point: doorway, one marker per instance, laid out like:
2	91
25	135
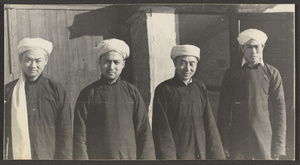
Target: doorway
211	34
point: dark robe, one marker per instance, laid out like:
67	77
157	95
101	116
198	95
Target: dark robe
183	123
111	122
49	119
252	114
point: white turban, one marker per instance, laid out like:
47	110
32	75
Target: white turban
113	44
29	43
254	34
185	50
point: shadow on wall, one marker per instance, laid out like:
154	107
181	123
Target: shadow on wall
106	22
100	22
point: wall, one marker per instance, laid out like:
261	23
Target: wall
211	34
74	33
215	60
154	31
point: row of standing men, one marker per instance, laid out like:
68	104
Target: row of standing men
111	119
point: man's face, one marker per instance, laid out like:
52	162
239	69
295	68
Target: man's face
111	64
185	67
253	51
33	63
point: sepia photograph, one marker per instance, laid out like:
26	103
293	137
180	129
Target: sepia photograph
149	82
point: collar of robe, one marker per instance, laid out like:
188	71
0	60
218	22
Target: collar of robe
107	81
28	81
179	82
246	65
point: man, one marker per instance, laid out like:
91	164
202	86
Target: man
111	119
38	123
252	115
183	123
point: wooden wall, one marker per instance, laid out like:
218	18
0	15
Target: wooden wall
73	62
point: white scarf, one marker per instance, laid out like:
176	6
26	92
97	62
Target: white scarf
19	122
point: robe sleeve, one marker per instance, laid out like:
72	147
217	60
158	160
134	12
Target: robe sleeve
80	116
214	148
224	110
64	127
162	134
277	100
143	134
7	145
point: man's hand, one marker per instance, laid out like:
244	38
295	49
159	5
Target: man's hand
226	152
275	157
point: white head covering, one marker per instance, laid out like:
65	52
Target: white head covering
113	44
185	50
29	43
254	34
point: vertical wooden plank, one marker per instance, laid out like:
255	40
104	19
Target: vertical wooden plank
48	31
82	49
12	32
97	40
7	60
62	41
23	19
7	79
37	23
51	31
54	70
23	30
72	62
92	59
81	55
90	53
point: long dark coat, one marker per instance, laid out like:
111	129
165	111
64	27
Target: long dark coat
252	113
111	122
49	119
183	123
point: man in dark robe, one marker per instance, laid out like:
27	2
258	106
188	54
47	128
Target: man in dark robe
252	114
111	119
183	123
38	123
